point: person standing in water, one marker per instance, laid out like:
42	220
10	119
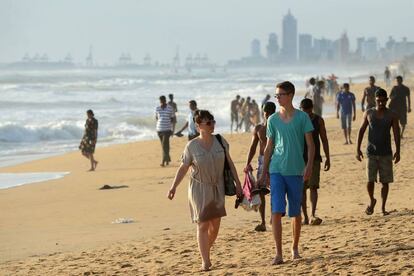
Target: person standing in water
90	137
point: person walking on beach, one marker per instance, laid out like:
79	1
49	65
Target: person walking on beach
174	107
190	124
89	139
283	159
400	102
387	76
379	121
259	138
164	114
205	155
369	95
254	113
245	114
264	101
234	113
345	102
312	184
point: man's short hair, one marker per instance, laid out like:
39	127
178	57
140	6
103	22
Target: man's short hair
346	85
237	96
269	107
312	81
193	102
306	104
286	86
162	98
381	93
372	78
399	78
170	96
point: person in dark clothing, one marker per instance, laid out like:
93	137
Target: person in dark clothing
379	120
319	130
90	136
400	102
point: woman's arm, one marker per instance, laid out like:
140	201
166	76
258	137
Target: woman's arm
181	172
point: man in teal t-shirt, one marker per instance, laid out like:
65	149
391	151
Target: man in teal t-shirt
284	153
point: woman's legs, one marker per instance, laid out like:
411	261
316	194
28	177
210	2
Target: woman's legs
204	244
93	162
207	232
213	230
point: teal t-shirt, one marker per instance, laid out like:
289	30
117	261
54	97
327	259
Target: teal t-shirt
288	140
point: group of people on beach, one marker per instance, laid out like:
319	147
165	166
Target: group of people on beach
289	160
245	113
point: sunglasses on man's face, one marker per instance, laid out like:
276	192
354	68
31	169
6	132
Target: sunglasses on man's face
278	95
208	123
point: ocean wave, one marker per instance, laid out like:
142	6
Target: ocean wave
15	133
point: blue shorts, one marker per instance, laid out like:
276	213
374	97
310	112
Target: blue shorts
280	186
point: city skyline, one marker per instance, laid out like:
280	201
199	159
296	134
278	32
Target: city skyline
140	28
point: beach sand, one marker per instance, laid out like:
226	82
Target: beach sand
64	226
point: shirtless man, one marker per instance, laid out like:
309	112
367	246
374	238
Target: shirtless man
234	113
259	137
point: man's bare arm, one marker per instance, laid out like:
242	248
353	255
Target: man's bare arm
325	143
361	133
253	145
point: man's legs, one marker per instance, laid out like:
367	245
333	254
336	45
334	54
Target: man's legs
166	147
344	128
384	196
402	130
314	200
296	226
262	209
278	204
277	235
294	191
373	201
305	208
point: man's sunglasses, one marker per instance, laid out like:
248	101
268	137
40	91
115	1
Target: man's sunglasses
278	95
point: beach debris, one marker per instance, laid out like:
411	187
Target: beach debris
109	187
166	229
123	220
126	265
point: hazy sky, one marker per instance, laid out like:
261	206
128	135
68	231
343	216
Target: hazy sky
221	28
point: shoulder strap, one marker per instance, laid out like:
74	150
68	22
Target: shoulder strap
218	136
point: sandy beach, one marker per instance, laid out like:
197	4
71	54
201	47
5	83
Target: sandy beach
64	226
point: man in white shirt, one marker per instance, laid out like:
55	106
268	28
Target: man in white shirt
164	114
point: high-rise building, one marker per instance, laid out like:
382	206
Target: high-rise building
255	49
369	49
272	48
290	38
343	48
305	47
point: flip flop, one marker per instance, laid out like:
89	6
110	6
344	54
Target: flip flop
260	228
316	221
370	209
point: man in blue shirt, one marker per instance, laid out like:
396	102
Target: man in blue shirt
190	124
283	160
345	102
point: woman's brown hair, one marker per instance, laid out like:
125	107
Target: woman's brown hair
201	115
